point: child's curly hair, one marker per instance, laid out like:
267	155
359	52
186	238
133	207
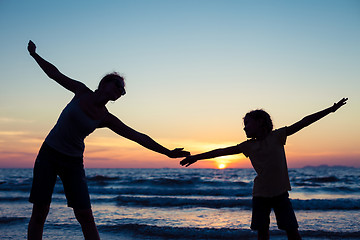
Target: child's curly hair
260	114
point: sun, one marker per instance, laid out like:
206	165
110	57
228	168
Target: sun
221	166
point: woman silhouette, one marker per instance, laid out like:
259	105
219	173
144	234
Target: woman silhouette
61	154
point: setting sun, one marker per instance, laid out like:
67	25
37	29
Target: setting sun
222	166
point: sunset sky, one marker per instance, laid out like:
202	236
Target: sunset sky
193	69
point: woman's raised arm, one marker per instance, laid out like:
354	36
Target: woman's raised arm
53	73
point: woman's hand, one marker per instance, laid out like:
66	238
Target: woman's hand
31	47
178	152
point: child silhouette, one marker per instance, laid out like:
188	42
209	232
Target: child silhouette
265	148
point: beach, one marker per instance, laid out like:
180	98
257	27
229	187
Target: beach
187	204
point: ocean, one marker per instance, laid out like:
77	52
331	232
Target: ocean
187	203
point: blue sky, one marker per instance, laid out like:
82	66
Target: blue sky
192	68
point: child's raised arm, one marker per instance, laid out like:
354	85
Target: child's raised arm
306	121
212	154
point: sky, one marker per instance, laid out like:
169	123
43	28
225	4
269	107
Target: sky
193	69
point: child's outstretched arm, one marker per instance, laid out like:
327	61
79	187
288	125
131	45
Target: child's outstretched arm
212	154
306	121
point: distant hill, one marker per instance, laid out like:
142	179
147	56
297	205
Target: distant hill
327	166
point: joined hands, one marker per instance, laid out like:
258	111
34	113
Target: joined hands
178	152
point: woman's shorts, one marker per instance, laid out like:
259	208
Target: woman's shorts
284	213
48	165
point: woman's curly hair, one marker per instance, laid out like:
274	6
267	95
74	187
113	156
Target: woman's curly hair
114	76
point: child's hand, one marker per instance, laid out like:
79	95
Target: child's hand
188	161
339	104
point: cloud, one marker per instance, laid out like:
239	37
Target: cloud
12	120
13	133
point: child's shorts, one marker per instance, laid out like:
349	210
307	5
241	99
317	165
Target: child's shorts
48	165
284	213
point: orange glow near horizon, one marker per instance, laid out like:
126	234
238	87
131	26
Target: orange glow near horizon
111	151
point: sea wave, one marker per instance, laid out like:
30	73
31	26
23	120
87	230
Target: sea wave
179	232
12	220
164	181
215	202
326	204
225	192
167	232
242	203
157	201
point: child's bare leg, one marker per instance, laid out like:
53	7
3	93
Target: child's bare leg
37	220
87	222
293	234
263	234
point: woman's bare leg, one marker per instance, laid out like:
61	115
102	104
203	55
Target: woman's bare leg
37	220
87	222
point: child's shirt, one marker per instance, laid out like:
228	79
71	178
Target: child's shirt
268	159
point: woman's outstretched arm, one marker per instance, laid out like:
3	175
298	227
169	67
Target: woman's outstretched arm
120	128
53	73
306	121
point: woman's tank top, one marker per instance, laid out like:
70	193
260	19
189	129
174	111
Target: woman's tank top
72	127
